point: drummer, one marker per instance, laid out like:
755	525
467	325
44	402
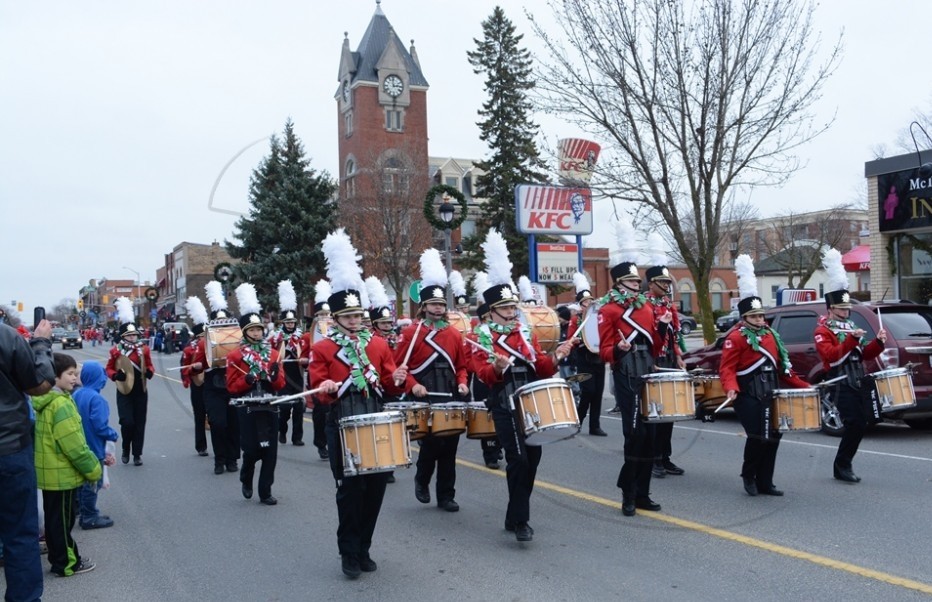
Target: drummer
318	332
670	353
353	370
132	406
221	416
198	314
254	370
380	313
511	358
289	339
840	344
753	361
433	353
587	362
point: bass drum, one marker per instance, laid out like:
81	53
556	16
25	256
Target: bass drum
459	321
590	331
544	322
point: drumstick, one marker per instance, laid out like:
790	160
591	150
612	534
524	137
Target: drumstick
179	368
834	380
580	327
669	369
410	349
511	358
724	403
879	319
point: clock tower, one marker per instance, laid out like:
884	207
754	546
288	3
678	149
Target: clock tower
382	123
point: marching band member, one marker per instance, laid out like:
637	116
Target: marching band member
753	361
132	407
380	313
479	391
222	417
511	358
255	370
458	288
198	314
289	339
659	284
840	344
587	362
353	369
437	372
628	341
318	332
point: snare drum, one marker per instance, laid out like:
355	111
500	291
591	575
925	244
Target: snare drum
549	411
895	389
544	322
796	410
221	340
258	400
417	417
479	422
667	397
709	391
374	443
447	419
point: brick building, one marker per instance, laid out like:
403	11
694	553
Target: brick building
187	269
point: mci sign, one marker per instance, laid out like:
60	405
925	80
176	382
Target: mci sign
553	210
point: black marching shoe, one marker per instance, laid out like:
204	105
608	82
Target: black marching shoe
422	493
298	443
125	458
671	468
202	452
232	466
247	491
367	565
351	567
219	468
628	507
645	503
449	505
657	471
493	464
269	501
510	527
769	490
845	474
137	461
750	486
597	432
524	532
282	438
322	453
391	478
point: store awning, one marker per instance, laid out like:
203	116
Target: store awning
857	259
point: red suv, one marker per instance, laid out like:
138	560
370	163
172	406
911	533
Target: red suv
909	341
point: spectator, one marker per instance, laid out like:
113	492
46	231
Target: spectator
95	418
24	368
63	464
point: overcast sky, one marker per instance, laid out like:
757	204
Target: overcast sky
116	118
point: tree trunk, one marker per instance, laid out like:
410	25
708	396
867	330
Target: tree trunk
705	308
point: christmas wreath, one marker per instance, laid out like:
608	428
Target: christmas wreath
430	210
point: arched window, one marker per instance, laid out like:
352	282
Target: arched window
350	178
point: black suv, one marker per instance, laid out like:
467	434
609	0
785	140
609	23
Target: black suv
909	342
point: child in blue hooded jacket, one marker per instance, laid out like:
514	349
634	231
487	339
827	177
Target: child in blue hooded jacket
95	417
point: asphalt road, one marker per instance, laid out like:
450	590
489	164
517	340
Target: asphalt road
182	533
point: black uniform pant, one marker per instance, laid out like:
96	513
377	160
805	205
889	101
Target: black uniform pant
359	500
439	452
760	449
61	508
590	393
635	474
200	416
132	410
521	462
295	412
319	422
854	418
224	424
259	444
491	449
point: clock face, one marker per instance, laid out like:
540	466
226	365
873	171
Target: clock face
346	92
393	86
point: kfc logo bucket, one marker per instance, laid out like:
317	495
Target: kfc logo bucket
577	159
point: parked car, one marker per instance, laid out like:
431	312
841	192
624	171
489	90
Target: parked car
687	324
909	343
57	333
724	323
71	339
176	334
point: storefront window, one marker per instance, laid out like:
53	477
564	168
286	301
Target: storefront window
915	269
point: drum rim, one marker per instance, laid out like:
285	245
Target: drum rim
541	384
399	406
373	418
796	392
667	377
476	405
890	372
449	405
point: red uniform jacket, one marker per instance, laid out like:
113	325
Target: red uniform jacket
511	344
133	357
631	322
834	352
200	356
739	356
295	347
445	345
187	358
328	362
662	306
237	369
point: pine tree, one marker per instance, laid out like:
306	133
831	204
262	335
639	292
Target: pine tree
291	211
510	133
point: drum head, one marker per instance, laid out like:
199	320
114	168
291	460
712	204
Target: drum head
590	330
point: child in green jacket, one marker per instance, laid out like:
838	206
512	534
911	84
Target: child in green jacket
63	463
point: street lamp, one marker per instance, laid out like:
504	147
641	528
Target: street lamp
447	212
135	289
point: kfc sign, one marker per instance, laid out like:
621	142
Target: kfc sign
577	159
553	209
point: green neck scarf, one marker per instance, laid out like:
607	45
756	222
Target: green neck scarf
624	298
754	337
362	372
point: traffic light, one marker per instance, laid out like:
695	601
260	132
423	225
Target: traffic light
80	304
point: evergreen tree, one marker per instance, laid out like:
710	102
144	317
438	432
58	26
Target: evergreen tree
510	133
291	211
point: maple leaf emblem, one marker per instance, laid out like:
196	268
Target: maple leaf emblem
352	300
